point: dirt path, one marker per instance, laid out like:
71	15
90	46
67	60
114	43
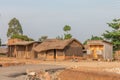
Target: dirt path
89	69
18	72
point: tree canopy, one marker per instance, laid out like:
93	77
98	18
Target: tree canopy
22	37
14	28
96	38
66	29
114	35
67	36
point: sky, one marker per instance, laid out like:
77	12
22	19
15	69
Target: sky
48	17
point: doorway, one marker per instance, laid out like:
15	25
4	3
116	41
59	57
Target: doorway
55	54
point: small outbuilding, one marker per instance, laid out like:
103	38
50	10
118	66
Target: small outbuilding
3	51
54	49
22	49
100	49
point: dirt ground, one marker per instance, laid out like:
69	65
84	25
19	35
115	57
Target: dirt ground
91	70
87	75
82	70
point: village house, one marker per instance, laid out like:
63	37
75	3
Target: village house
100	49
3	51
21	49
54	49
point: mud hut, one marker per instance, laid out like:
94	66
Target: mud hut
100	49
3	51
54	49
22	49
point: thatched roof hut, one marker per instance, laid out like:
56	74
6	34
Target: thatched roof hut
65	48
22	49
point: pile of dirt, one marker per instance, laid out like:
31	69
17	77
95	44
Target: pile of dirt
70	74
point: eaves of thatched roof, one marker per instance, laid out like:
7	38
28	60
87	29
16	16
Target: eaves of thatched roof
23	43
50	44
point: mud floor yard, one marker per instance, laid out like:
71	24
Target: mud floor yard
82	70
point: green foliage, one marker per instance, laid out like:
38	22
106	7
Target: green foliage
14	27
22	37
93	38
42	38
114	35
67	35
67	28
15	30
96	38
115	24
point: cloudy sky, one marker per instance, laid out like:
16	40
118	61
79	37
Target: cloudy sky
48	17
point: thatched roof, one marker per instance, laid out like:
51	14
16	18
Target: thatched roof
3	50
97	42
25	43
50	44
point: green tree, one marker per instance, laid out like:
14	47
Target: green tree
93	38
66	29
96	38
22	37
67	36
14	28
114	35
42	38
